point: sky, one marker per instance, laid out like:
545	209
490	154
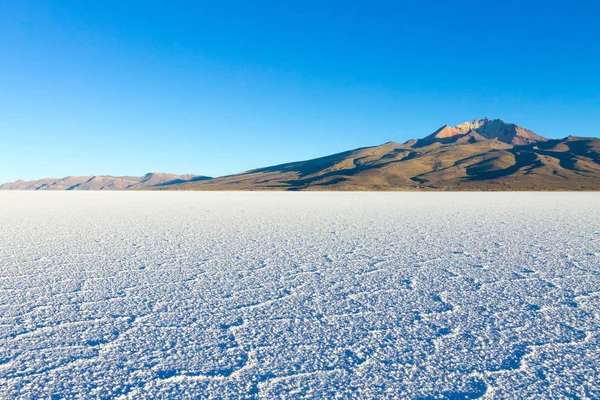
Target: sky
214	88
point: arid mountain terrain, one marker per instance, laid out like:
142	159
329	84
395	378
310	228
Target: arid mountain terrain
480	155
483	154
150	180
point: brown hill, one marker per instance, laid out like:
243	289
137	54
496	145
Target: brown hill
150	180
480	155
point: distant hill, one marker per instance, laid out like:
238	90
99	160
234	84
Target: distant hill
151	180
483	154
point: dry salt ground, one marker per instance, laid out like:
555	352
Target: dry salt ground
299	295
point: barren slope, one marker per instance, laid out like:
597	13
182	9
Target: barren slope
486	164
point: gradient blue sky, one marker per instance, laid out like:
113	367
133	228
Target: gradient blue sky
128	87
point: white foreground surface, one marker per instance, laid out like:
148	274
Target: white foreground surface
292	295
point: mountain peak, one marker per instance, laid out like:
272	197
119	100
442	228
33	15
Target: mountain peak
481	129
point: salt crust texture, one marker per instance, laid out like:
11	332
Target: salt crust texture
299	295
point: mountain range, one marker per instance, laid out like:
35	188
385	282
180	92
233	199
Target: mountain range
100	182
484	154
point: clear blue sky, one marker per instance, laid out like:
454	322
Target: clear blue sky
129	87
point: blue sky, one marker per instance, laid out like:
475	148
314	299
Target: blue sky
128	87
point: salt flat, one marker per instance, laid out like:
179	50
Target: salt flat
299	295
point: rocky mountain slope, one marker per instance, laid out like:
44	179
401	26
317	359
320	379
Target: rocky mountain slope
480	155
150	180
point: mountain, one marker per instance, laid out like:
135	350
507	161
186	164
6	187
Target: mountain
150	180
483	154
